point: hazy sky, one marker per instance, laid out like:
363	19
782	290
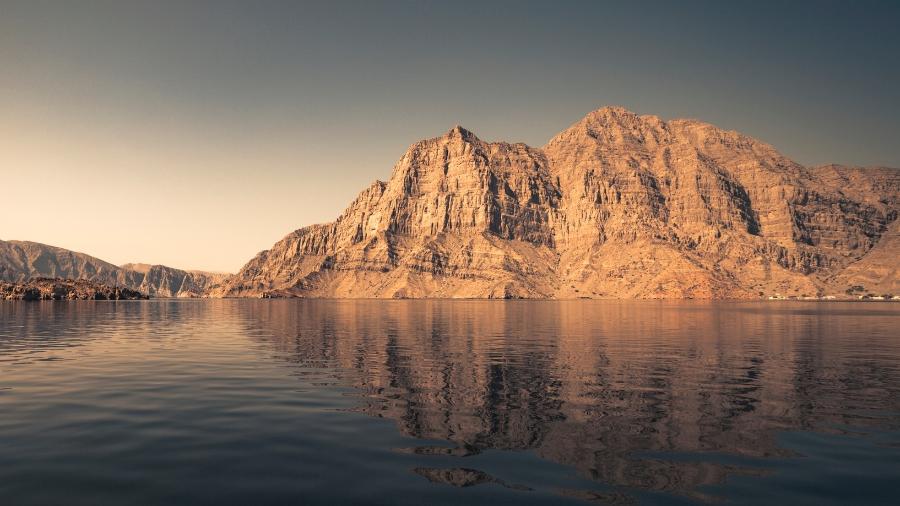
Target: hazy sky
196	134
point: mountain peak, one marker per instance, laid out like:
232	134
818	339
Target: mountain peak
611	122
616	115
611	110
458	132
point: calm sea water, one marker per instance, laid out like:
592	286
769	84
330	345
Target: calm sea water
257	402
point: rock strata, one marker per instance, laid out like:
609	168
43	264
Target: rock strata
618	205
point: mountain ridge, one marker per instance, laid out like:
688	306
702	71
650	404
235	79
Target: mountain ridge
22	261
616	205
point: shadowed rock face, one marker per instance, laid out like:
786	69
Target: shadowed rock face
617	205
21	261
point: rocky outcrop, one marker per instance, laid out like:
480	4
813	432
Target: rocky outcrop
65	289
21	261
617	205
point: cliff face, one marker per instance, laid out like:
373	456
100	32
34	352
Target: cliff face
459	217
876	273
21	261
617	205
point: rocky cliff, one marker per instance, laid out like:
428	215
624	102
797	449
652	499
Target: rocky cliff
617	205
21	261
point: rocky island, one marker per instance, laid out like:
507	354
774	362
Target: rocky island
65	289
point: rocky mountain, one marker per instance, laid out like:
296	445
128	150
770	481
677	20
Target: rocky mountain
163	281
617	205
21	261
24	260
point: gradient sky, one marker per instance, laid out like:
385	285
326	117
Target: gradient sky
196	134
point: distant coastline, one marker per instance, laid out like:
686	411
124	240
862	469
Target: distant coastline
65	289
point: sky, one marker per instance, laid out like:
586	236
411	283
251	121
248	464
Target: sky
196	134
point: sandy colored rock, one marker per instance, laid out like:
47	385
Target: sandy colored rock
617	205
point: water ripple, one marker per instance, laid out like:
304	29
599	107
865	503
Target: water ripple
324	402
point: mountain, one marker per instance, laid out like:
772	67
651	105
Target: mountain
24	260
163	281
21	261
617	205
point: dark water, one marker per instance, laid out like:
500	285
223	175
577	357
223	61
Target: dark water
421	402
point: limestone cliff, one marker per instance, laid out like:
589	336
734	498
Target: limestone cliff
617	205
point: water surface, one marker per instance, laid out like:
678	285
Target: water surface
449	402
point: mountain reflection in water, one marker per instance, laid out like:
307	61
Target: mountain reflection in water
650	401
592	385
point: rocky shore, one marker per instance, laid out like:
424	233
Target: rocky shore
65	289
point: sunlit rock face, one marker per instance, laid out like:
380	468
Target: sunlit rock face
617	205
459	217
24	260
